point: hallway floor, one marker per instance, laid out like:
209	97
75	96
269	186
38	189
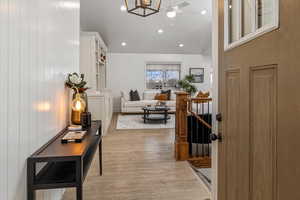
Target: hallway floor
139	165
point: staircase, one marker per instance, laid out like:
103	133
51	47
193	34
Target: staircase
193	129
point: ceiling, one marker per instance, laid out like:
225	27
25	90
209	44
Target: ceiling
190	27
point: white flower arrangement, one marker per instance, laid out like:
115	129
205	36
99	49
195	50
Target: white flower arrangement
75	79
76	82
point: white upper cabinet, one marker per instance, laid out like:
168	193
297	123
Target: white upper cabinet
93	61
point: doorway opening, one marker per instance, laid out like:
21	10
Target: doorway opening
148	62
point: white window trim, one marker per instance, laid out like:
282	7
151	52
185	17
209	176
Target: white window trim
160	63
255	32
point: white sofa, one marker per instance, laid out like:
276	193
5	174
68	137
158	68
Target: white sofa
147	98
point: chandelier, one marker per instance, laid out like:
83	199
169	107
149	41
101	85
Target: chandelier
143	8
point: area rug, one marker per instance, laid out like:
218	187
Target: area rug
205	174
136	122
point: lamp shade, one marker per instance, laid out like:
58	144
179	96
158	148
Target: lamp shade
143	8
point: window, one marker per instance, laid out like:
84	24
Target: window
162	76
265	14
233	20
248	19
247	10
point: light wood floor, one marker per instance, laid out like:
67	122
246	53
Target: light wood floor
139	165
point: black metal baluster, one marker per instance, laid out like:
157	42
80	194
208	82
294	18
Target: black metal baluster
197	128
191	135
208	132
203	131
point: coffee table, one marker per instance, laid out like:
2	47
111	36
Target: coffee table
158	113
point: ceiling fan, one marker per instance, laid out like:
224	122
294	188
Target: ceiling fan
176	7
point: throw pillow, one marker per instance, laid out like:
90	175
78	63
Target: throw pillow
125	95
168	93
161	97
134	95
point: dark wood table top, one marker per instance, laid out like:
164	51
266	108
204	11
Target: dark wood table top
54	148
156	108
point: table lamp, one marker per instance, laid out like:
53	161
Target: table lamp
78	107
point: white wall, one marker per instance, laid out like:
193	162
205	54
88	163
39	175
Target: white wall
39	46
127	71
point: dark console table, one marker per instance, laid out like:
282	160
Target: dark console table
63	165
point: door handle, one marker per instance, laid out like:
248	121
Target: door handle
214	137
219	117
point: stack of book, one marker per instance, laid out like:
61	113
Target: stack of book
73	136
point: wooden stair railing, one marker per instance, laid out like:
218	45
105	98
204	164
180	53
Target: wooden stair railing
181	143
190	110
184	109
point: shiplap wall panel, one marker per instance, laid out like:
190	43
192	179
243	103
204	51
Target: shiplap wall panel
39	45
3	106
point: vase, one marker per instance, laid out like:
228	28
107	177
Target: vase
76	115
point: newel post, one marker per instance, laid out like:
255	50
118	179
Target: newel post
181	144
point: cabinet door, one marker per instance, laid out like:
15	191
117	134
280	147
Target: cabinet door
97	109
88	60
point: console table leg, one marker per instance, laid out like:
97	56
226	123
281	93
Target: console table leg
79	195
31	195
31	171
100	157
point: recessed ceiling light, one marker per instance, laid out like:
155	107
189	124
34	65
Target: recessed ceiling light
123	44
171	14
123	8
160	31
203	12
181	45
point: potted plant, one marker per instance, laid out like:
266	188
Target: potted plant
187	86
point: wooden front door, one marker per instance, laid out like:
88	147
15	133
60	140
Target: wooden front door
259	89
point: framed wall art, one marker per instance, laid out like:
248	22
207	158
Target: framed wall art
198	74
